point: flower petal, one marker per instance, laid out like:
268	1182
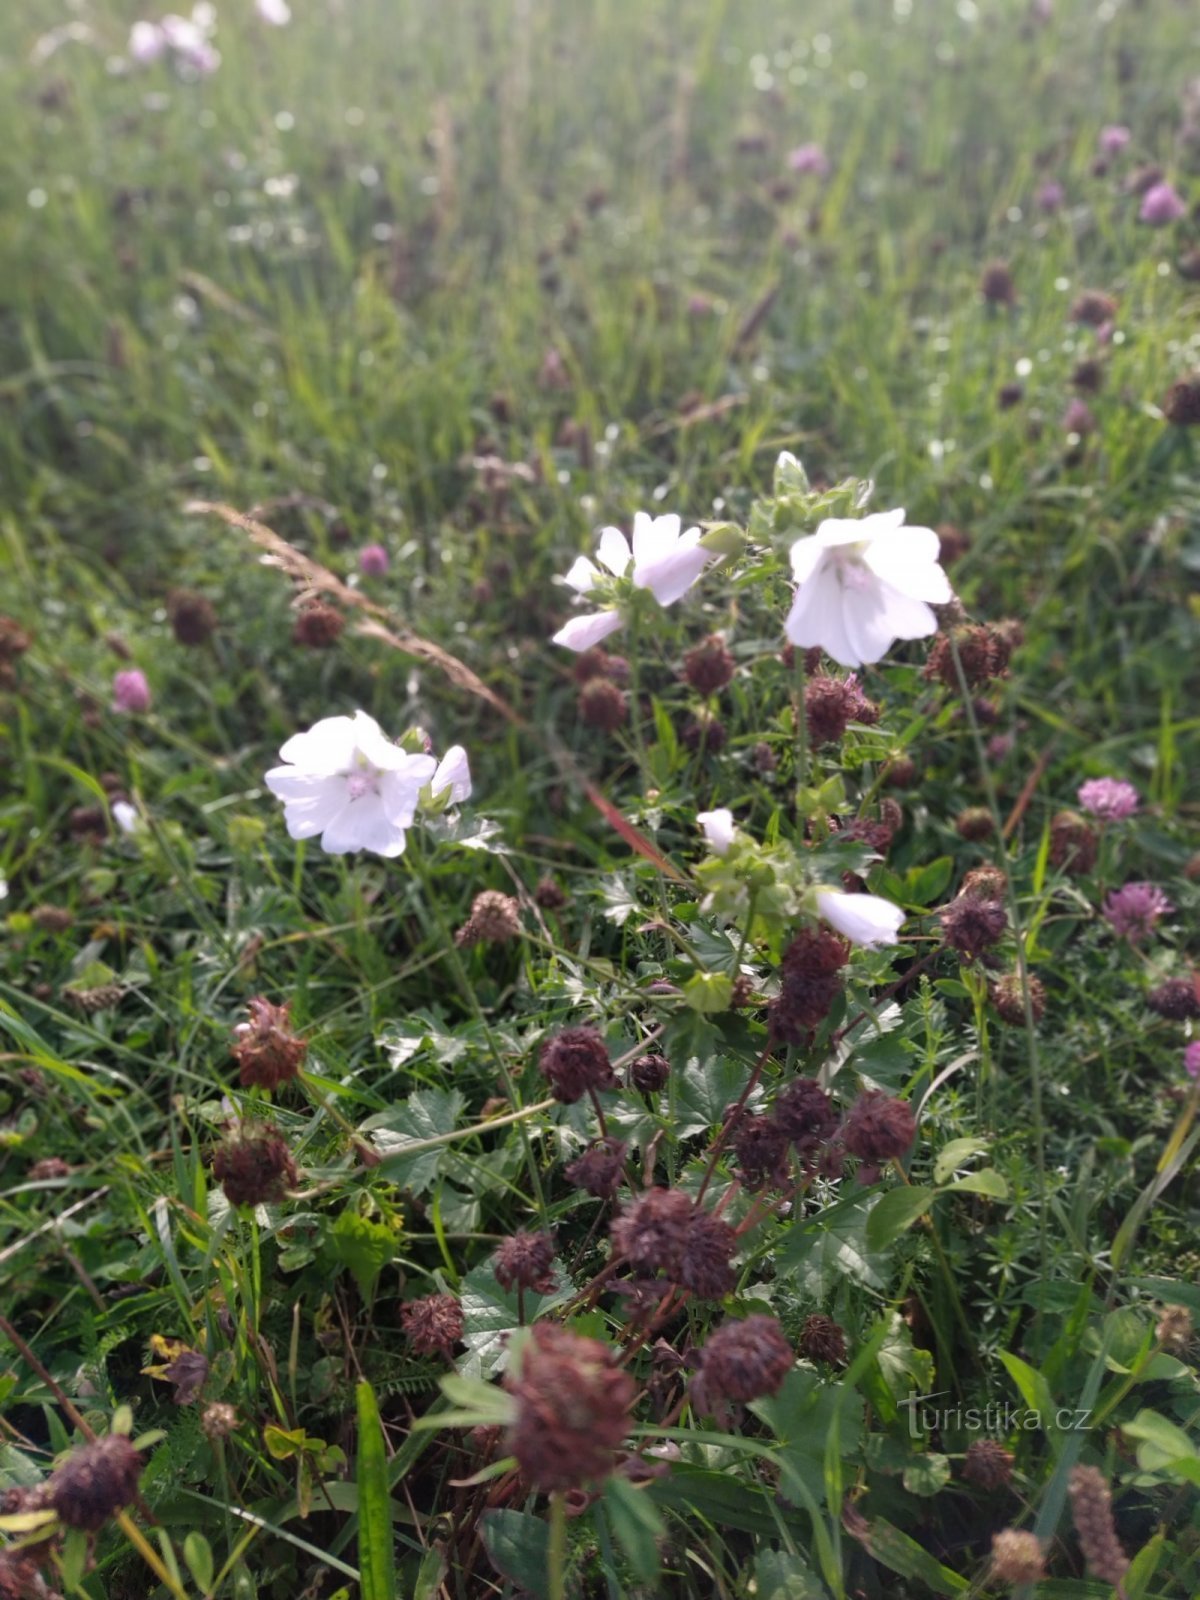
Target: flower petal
581	633
806	556
654	537
908	561
307	812
862	918
816	618
453	773
326	747
362	825
870	621
584	575
718	828
669	577
613	551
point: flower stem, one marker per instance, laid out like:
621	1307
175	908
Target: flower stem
556	1553
800	678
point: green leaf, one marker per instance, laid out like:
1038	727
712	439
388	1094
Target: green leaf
954	1155
927	1474
904	1555
519	1547
284	1443
637	1525
708	992
804	1416
988	1182
427	1114
895	1212
823	1251
924	885
780	1576
714	1497
487	1402
363	1247
490	1317
432	1572
73	1558
376	1556
1163	1444
704	1089
197	1553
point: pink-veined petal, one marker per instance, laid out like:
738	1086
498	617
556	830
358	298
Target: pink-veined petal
581	633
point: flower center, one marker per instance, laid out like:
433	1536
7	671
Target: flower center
852	570
364	780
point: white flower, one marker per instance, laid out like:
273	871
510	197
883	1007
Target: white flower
147	42
277	12
718	828
453	773
345	781
864	582
862	918
126	816
664	559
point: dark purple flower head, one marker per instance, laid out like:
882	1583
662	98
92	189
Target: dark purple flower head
1134	910
1051	195
739	1362
1110	799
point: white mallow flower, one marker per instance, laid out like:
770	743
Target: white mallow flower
147	42
863	583
718	828
862	918
665	558
277	12
453	774
345	781
126	816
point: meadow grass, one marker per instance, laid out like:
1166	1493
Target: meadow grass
470	281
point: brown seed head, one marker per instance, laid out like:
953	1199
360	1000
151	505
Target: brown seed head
523	1261
550	895
266	1050
879	1127
1017	1557
95	1482
1093	307
1177	1000
433	1325
709	666
1181	404
650	1073
575	1061
954	542
996	284
741	1361
1008	999
822	1339
603	705
973	926
1174	1330
984	883
495	918
254	1166
705	732
652	1231
988	1465
572	1403
1091	1511
193	619
804	1113
600	1168
832	704
762	1150
974	824
218	1420
318	626
706	1267
1074	843
51	919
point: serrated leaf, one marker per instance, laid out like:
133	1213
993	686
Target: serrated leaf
823	1251
490	1316
427	1114
704	1089
781	1576
363	1247
708	992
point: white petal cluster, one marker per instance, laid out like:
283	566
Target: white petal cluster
862	918
864	582
344	780
664	558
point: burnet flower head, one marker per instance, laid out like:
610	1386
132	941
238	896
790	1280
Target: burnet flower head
665	558
344	780
862	583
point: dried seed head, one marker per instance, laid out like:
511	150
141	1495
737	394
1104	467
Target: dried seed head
649	1073
809	983
266	1050
804	1113
603	705
709	666
973	926
822	1339
433	1325
523	1261
996	284
51	919
706	1267
954	542
705	732
575	1061
1088	375
1093	308
193	619
1091	1511
741	1361
900	773
832	704
597	663
984	883
95	1482
1074	843
984	649
764	758
495	918
254	1166
1174	1330
318	626
48	1168
988	1465
1009	1001
1181	405
1010	395
600	1168
652	1231
1017	1557
572	1403
974	824
879	1127
218	1420
99	997
1176	1000
762	1150
550	895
